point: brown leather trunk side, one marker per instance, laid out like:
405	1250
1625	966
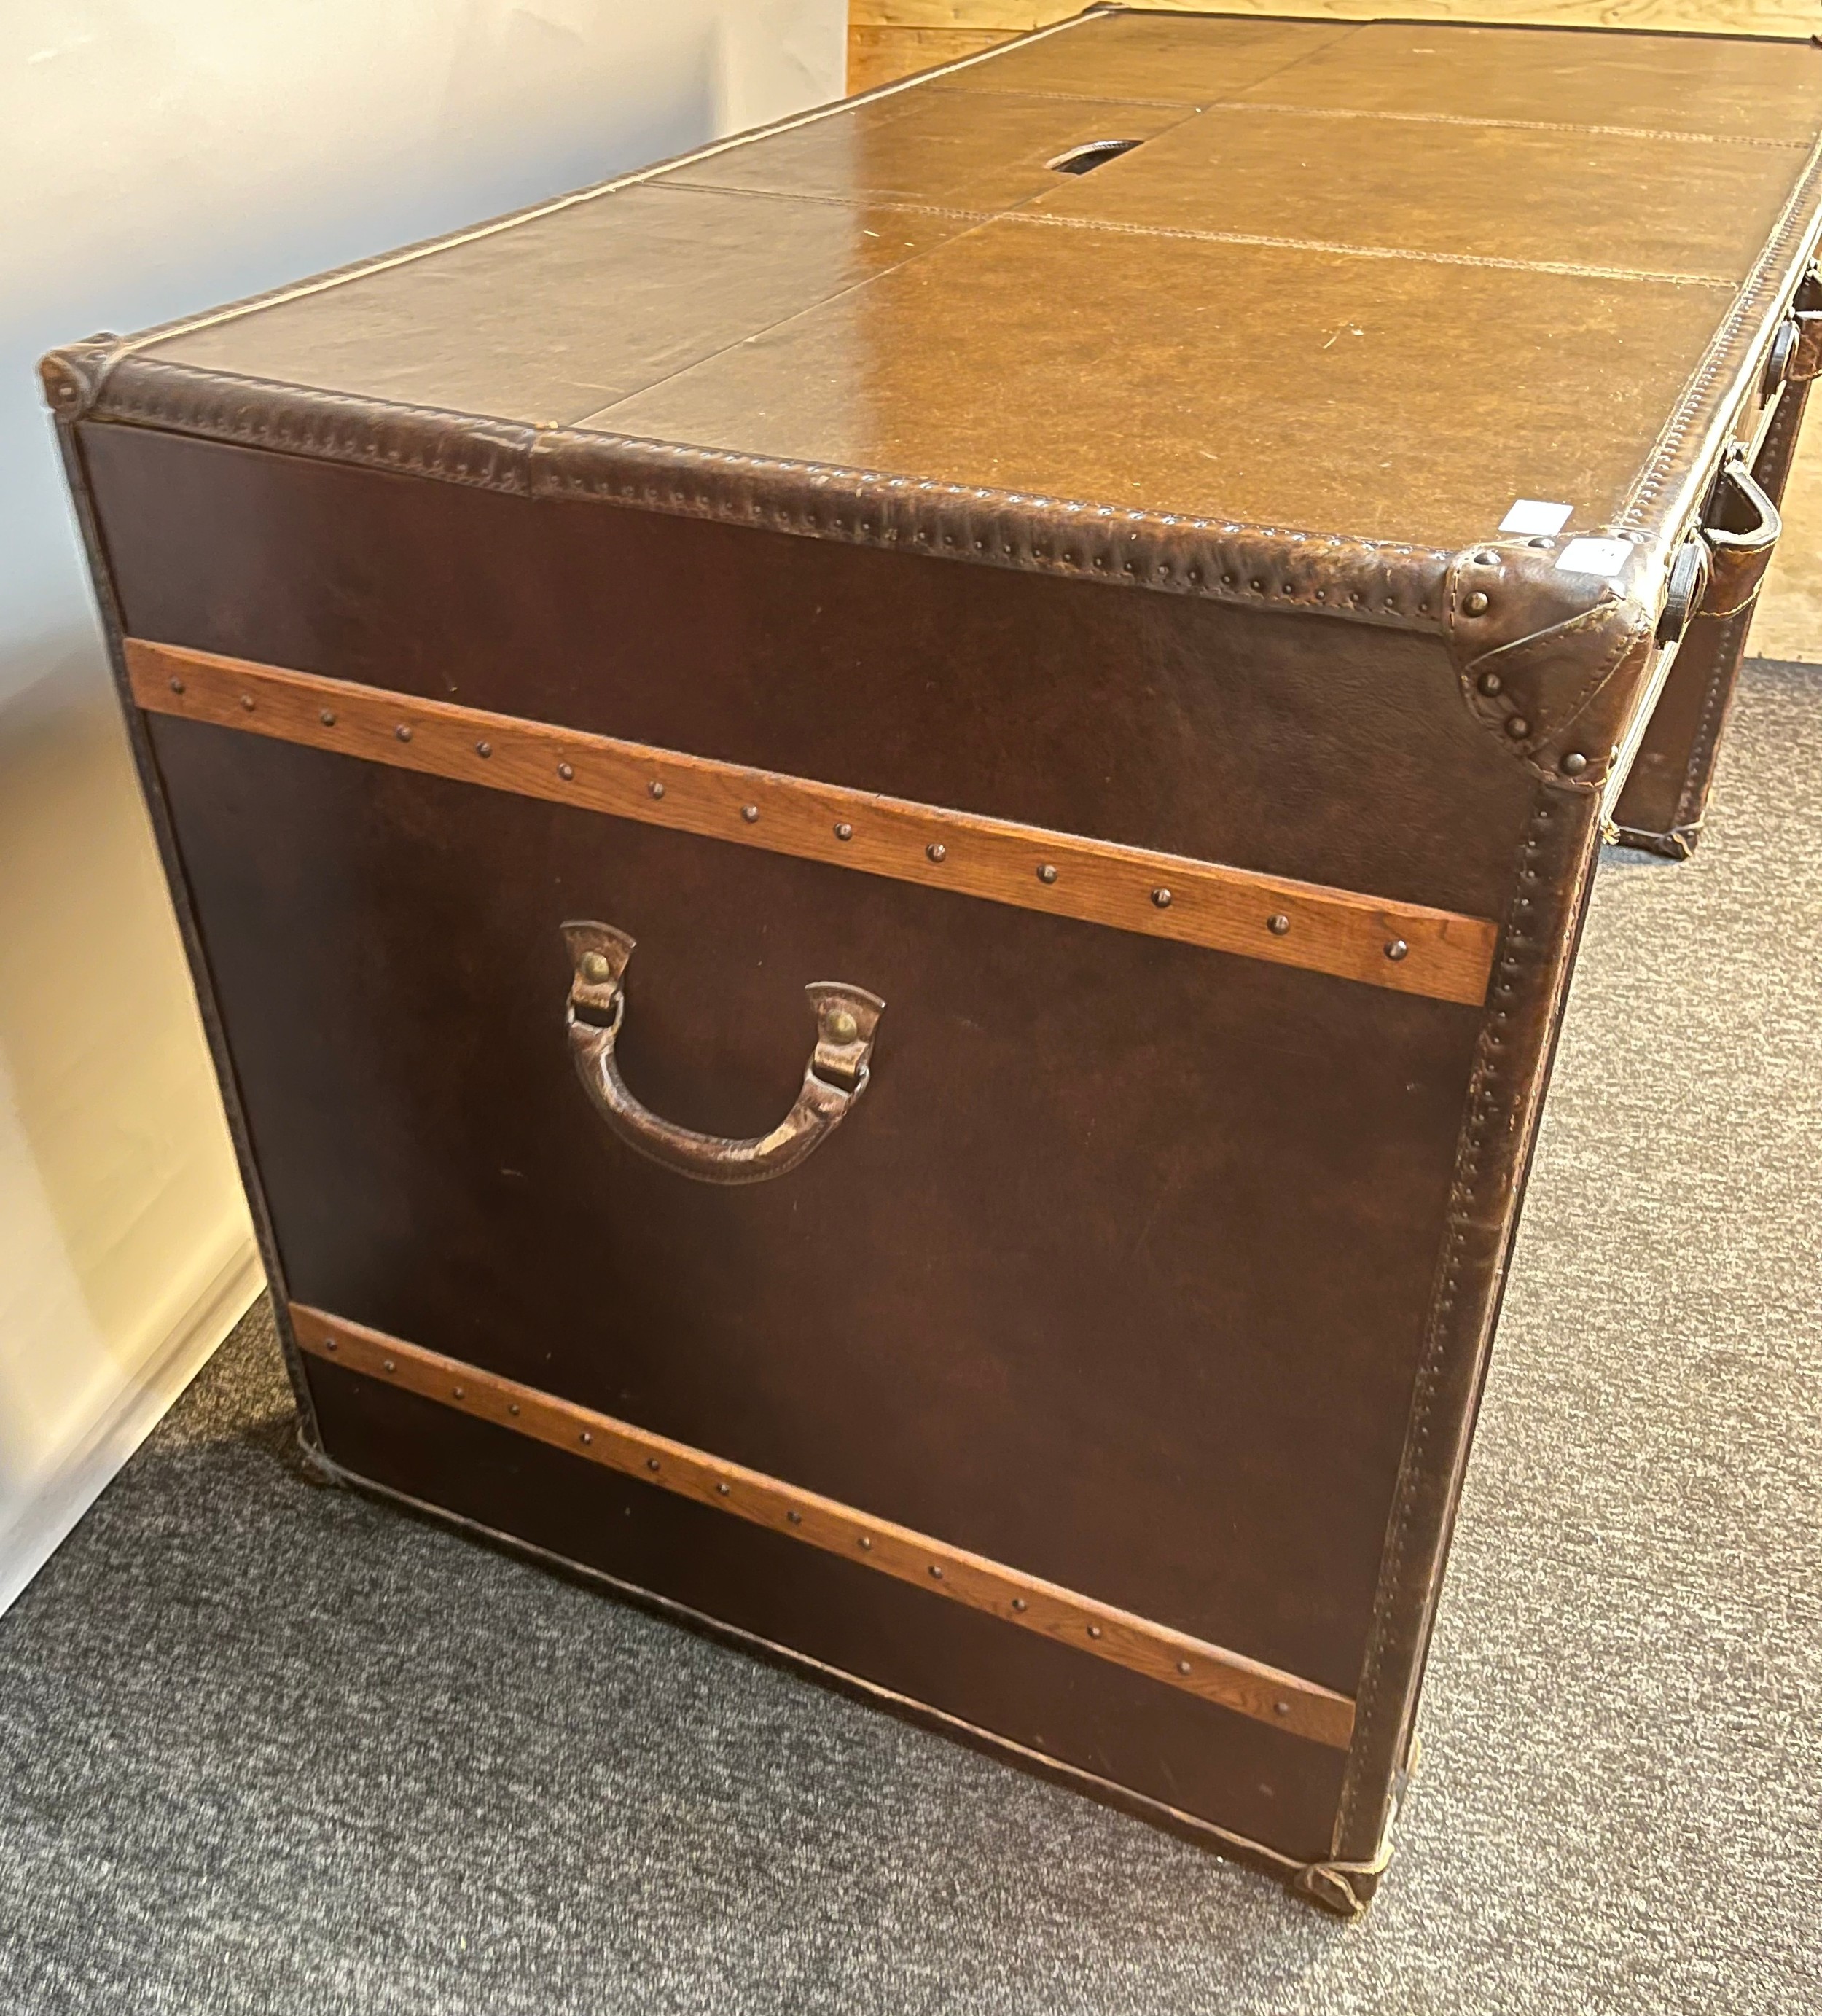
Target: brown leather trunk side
1664	800
1164	1273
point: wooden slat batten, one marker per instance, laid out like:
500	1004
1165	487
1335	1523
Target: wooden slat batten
1101	1630
1407	947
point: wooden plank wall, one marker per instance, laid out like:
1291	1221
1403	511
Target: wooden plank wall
890	38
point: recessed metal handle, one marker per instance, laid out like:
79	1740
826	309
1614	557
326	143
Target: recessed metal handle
833	1079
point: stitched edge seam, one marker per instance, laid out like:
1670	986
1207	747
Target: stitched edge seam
1493	1105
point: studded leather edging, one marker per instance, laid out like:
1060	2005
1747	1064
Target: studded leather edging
1366	580
1531	974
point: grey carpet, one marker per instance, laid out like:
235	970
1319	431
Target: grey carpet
268	1746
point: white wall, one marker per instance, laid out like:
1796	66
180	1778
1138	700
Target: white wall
158	156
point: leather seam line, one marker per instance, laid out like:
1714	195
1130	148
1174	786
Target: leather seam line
1754	140
1021	214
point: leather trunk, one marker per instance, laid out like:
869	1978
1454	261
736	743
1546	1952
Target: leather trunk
1152	554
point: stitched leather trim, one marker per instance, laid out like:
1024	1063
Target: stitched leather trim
1685	451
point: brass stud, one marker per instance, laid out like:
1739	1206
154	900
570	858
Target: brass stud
795	1518
1396	950
1161	898
844	830
1281	1707
177	686
936	1571
936	852
512	1406
1278	924
246	702
866	1543
1047	873
655	788
1518	728
565	772
327	717
1018	1602
843	1028
1490	682
1476	604
484	748
458	1392
749	814
651	1463
329	1344
1486	559
1182	1665
1094	1631
586	1437
388	1365
596	967
1574	763
723	1489
402	731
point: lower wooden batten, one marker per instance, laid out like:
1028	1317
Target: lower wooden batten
1344	1891
1238	1782
1300	1707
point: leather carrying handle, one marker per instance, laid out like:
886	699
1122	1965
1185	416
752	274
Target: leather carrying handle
1741	526
833	1079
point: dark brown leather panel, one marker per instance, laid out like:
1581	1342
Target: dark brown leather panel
1047	1294
1553	871
1413	398
1748	87
1666	796
1272	742
1151	1739
561	313
1691	206
929	147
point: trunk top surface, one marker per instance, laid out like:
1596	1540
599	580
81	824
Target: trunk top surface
1376	281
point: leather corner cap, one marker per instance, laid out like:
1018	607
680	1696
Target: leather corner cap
1547	658
72	376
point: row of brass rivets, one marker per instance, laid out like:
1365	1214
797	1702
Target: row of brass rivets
795	1518
1278	923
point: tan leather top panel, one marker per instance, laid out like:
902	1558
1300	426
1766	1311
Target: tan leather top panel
1404	275
1410	397
927	146
1150	55
1662	204
548	320
1679	83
